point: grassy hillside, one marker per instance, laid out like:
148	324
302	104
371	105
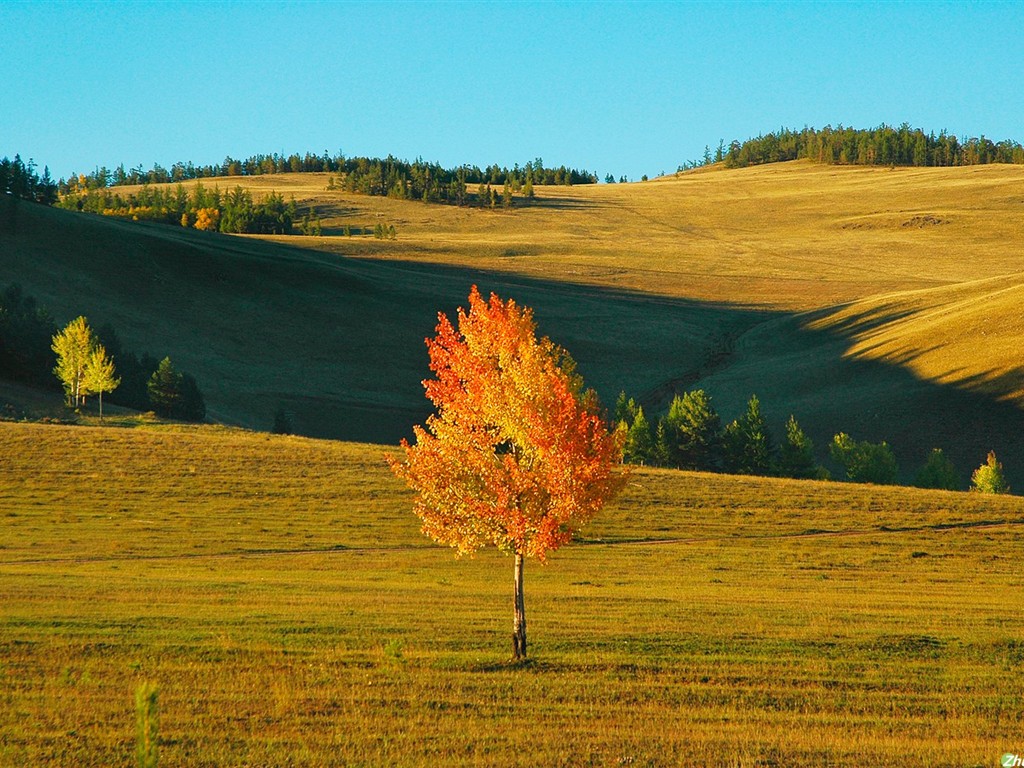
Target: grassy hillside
338	341
877	301
279	593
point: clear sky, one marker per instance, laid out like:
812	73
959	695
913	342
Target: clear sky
627	88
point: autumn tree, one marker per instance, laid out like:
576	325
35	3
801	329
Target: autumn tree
517	454
74	346
99	374
989	477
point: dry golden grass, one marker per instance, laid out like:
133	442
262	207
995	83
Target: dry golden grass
794	236
881	302
786	236
278	591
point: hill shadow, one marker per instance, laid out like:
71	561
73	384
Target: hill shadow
338	342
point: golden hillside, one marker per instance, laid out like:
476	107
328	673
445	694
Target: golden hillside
872	300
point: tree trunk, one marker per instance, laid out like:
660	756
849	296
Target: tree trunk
519	618
101	405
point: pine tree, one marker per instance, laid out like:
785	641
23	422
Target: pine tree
639	445
692	432
625	410
747	443
796	454
937	472
165	389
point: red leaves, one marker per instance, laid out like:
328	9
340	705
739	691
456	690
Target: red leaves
516	454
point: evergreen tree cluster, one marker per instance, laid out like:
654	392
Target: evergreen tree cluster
21	181
206	209
418	180
884	145
691	436
25	333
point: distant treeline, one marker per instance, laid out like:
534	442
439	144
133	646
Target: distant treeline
884	145
202	208
26	334
418	180
23	182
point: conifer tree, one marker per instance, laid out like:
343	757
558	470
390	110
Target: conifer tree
639	445
937	472
796	454
625	410
692	432
747	443
165	389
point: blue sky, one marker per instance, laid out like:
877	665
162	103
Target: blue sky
615	87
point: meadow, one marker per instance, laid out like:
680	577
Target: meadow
279	593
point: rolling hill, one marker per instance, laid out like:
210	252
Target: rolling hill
881	302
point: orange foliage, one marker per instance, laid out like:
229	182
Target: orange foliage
517	454
207	219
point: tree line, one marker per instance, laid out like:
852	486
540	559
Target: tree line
235	211
884	145
691	436
87	362
22	181
417	180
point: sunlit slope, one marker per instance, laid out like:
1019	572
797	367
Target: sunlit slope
969	335
785	236
337	341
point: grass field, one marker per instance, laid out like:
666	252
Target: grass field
279	593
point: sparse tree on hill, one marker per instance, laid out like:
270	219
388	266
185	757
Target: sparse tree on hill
989	477
937	472
796	454
99	374
517	455
74	346
692	433
747	444
165	389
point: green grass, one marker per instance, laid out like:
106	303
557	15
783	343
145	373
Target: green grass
279	593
